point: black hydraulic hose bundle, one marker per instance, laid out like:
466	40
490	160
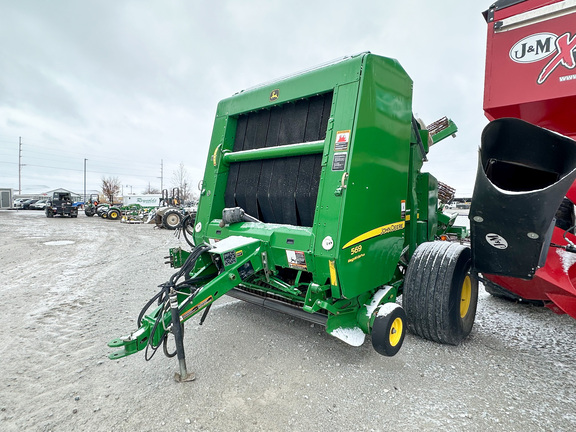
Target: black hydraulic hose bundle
163	297
187	228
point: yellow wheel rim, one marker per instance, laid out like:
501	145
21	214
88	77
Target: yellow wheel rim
465	296
396	331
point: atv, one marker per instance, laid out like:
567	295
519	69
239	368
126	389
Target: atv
61	204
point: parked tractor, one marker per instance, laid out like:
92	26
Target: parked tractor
61	204
91	205
314	204
171	212
108	211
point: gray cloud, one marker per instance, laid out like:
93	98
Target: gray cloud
138	81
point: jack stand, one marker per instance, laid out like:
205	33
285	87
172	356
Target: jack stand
183	376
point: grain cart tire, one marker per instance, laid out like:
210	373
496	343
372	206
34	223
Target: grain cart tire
439	295
502	293
389	329
565	215
113	214
172	219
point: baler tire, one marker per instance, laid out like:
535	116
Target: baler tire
440	296
172	219
388	331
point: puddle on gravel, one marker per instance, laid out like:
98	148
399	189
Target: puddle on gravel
59	243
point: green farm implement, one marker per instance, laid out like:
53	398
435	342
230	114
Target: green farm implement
313	203
172	212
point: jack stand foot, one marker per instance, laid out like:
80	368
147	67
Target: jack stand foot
189	377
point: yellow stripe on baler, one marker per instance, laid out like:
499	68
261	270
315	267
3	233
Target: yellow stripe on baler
396	226
333	277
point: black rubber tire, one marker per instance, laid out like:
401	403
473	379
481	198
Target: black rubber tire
49	214
172	219
385	337
113	214
440	296
89	212
565	215
102	210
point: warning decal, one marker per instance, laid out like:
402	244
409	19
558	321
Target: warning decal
196	308
342	139
296	259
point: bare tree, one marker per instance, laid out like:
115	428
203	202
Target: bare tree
151	190
181	181
110	187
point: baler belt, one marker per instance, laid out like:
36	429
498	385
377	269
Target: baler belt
281	190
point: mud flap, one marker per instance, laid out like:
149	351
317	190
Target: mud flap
524	172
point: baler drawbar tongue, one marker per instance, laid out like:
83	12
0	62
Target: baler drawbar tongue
178	301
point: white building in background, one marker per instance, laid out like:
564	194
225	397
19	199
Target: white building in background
75	196
6	198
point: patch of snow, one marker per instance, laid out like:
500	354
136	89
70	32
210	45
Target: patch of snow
387	309
59	243
380	294
275	227
567	258
232	242
352	336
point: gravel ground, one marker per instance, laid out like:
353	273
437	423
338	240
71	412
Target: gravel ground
71	285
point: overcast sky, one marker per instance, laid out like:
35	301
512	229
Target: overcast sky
128	84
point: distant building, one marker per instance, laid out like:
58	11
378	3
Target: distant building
5	198
75	196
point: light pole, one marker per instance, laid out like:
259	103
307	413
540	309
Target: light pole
85	179
130	186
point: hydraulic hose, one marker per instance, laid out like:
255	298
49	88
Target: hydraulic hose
163	297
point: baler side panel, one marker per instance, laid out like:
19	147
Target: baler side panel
378	178
327	218
427	192
212	194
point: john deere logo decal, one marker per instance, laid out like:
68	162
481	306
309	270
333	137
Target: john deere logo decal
274	95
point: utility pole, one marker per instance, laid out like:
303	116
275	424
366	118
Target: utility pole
161	175
85	179
19	165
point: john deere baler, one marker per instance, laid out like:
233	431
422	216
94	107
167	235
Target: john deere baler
313	204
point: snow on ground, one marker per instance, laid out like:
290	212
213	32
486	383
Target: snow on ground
71	285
